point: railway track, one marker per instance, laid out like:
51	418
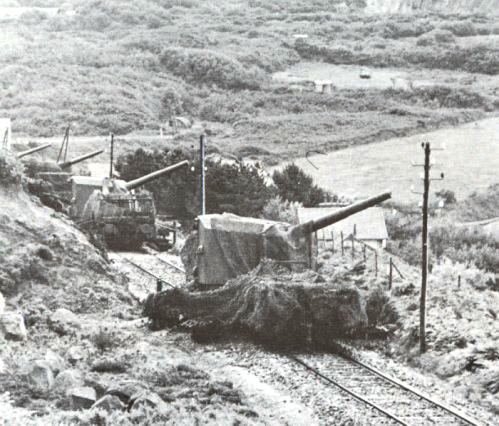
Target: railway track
377	398
388	397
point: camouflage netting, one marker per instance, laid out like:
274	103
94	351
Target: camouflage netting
270	304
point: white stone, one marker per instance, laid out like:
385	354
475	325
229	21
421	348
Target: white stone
41	375
12	326
83	397
66	381
63	321
55	362
150	400
109	403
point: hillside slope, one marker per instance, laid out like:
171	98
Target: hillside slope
46	264
448	6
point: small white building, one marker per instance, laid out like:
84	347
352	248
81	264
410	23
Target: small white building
368	225
323	86
5	131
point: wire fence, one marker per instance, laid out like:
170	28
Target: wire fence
372	254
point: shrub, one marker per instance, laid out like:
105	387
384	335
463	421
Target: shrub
460	28
105	340
281	210
293	184
443	36
448	196
205	66
11	169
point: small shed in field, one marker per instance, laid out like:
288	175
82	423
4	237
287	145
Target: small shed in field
323	86
369	225
5	129
82	187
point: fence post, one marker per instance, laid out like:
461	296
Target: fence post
353	246
342	244
332	241
390	276
376	264
459	281
364	253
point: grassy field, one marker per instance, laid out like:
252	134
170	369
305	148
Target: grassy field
470	162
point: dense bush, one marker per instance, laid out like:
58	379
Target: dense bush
460	28
293	184
204	66
281	210
448	196
480	205
464	244
235	188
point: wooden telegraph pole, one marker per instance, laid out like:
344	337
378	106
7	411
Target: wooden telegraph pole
111	157
424	262
424	245
202	143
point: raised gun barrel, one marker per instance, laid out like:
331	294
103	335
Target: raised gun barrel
66	164
32	150
154	175
316	224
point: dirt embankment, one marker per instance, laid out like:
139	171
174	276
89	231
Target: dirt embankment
46	263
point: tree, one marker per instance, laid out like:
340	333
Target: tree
448	196
293	184
235	188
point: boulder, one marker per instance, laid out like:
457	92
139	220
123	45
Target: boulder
12	326
63	321
41	375
83	397
75	354
125	389
149	400
109	403
55	362
66	381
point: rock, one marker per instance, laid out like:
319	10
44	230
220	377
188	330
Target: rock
150	400
41	375
7	285
63	321
83	397
2	304
55	362
66	381
12	326
75	354
126	389
109	403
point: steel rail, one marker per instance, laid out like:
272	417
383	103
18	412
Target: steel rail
166	262
145	271
454	411
350	392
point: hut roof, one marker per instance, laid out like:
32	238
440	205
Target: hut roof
369	224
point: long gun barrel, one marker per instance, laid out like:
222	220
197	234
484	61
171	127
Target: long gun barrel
32	150
316	224
83	157
154	175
